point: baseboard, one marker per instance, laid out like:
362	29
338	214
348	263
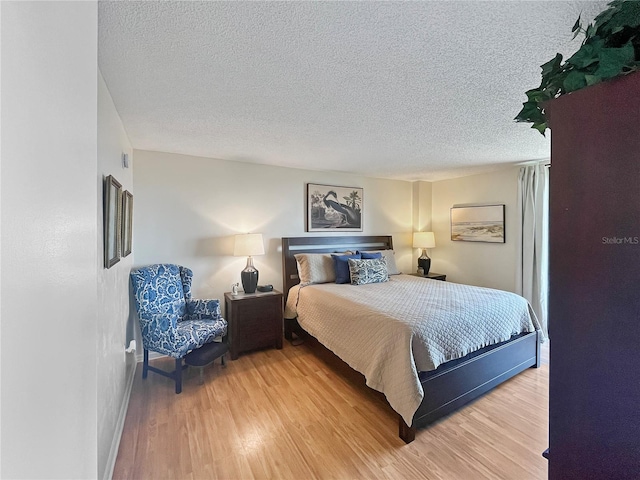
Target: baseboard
115	444
152	356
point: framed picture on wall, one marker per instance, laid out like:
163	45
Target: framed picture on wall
112	217
127	223
481	223
331	207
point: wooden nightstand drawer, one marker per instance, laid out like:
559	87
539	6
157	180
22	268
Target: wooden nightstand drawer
255	321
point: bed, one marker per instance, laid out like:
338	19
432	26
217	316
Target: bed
431	385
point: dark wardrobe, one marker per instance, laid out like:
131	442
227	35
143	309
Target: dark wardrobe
594	266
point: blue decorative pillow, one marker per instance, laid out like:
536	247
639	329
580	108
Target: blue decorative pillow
368	271
370	255
342	267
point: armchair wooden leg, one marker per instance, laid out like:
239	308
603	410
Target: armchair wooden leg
178	375
145	364
222	362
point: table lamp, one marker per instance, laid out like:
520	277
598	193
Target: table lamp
424	240
248	245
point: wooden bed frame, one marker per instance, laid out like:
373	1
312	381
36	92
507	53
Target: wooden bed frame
453	384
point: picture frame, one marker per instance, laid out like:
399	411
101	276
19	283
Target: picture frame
127	223
331	208
112	192
478	223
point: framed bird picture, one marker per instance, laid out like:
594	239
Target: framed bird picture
331	207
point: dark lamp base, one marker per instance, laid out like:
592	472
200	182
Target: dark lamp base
425	263
249	280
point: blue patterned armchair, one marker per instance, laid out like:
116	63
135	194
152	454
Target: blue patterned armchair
172	323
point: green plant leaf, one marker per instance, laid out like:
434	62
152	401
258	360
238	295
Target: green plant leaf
541	127
604	16
587	54
529	113
592	79
575	81
611	47
552	66
612	61
539	95
628	15
576	26
622	13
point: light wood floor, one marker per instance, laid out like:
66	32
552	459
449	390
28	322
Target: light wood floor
300	413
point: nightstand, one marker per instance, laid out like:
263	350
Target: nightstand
432	275
255	321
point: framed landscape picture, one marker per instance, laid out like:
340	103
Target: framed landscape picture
331	207
482	223
127	223
112	218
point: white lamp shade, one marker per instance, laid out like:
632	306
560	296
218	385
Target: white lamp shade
248	245
424	240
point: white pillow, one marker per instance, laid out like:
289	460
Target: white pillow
315	268
390	256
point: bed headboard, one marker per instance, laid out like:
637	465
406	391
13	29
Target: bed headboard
293	245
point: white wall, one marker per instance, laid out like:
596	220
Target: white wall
422	209
115	368
187	210
49	239
484	264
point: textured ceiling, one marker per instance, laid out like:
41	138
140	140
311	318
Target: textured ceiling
406	90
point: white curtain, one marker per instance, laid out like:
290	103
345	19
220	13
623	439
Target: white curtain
533	268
